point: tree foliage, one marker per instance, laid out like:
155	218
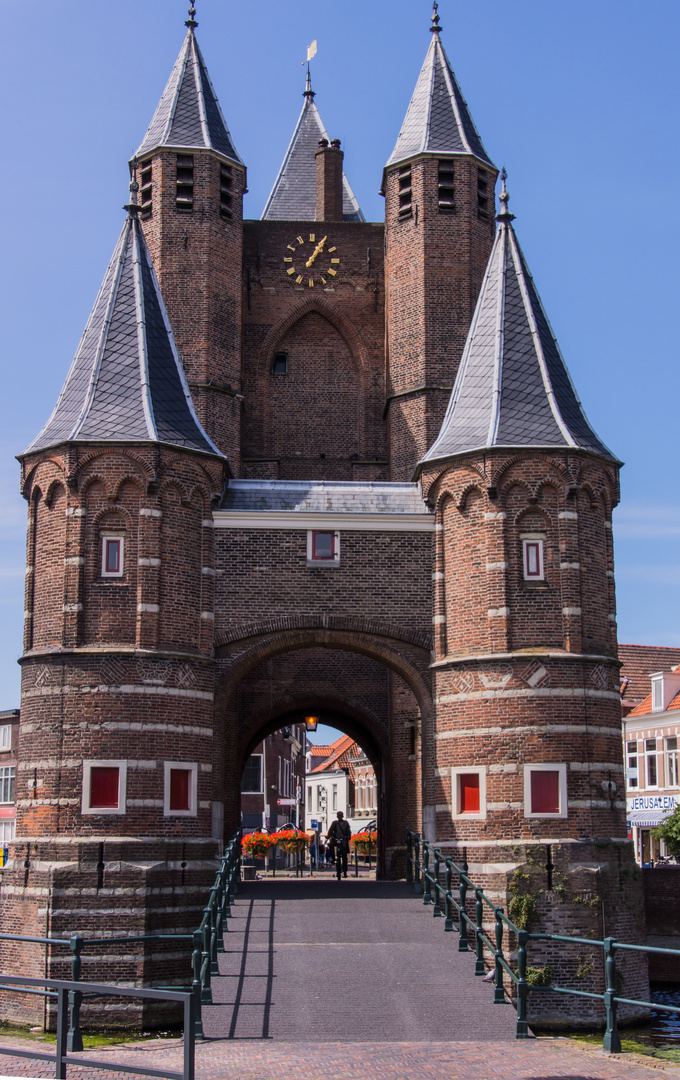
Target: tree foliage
669	832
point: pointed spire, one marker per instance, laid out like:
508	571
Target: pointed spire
293	196
126	383
188	116
504	214
438	119
513	388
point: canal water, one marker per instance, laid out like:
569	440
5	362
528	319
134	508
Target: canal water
663	1029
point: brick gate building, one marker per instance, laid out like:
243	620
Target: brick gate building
260	494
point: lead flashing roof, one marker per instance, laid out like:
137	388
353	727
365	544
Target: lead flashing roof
126	383
438	120
293	196
513	388
323	496
188	116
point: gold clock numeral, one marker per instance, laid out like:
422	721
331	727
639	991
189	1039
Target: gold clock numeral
312	237
335	260
333	249
332	272
300	240
311	282
289	259
298	279
323	280
291	271
290	247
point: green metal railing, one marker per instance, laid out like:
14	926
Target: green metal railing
207	942
424	864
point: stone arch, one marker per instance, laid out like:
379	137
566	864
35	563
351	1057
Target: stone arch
305	307
358	624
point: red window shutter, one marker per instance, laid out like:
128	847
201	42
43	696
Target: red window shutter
469	793
180	789
104	784
545	791
323	545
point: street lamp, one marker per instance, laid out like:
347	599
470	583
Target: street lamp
311	723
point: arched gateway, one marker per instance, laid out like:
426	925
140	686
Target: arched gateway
275	509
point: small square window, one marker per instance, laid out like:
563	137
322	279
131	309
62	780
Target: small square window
113	553
468	789
545	790
280	363
180	789
323	548
532	558
104	787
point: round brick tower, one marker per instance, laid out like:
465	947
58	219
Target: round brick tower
114	786
524	778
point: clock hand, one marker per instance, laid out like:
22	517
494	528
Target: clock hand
317	251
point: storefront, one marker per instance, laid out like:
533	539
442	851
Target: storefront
644	813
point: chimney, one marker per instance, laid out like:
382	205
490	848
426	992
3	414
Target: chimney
329	181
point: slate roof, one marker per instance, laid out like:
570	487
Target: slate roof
512	388
293	197
321	496
188	116
638	663
126	383
438	120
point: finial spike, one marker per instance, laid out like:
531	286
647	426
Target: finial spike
435	28
132	207
191	21
504	214
308	92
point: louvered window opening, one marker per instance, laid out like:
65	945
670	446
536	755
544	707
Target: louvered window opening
446	188
482	195
405	193
226	183
146	189
184	196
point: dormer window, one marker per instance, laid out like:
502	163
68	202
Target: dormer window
405	192
657	694
665	686
184	195
446	188
113	555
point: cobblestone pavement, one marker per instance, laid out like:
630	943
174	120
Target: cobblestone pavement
539	1059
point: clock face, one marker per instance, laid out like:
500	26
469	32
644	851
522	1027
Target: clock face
311	260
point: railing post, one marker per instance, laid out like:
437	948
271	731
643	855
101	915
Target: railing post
522	1026
409	857
356	863
437	909
62	1033
427	886
417	886
612	1041
479	944
448	900
189	1039
197	964
206	989
499	993
462	924
212	908
74	1040
219	922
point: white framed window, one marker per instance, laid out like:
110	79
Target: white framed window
113	555
251	782
651	764
5	737
323	547
545	790
468	792
104	787
335	796
632	775
657	694
7	775
533	561
179	789
7	828
672	773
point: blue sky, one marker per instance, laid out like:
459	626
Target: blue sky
579	101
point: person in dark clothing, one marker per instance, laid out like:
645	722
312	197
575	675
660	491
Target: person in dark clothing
339	834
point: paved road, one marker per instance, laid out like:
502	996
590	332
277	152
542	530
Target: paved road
351	961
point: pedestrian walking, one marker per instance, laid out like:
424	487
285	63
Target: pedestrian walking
339	834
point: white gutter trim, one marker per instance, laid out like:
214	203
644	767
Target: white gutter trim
303	520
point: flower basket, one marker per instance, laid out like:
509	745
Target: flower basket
256	845
365	843
292	840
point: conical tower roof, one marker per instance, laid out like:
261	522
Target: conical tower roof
293	197
438	120
513	389
126	383
188	116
